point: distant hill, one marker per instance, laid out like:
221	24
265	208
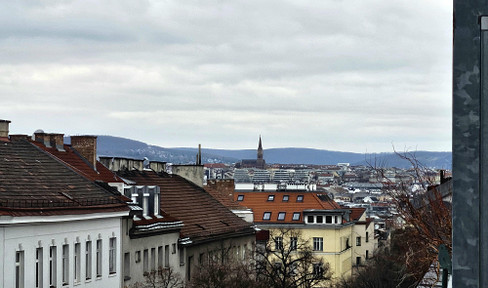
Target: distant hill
122	147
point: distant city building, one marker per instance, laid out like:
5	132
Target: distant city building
254	163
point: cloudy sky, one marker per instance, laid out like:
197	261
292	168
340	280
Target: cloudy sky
348	75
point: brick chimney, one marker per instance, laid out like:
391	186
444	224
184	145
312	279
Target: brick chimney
4	128
41	137
86	146
19	137
57	141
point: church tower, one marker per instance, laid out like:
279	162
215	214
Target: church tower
260	149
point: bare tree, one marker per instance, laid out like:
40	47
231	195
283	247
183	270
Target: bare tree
161	278
425	212
287	261
225	268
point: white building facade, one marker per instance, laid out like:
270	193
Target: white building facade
61	251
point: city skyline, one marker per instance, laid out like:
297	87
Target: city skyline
357	76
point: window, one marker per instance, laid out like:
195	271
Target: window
65	264
88	260
38	267
19	269
358	261
328	219
52	266
278	243
138	256
310	219
286	198
182	256
358	241
145	261
173	248
337	220
160	256
318	270
367	254
112	256
99	258
299	198
281	216
296	216
320	219
153	259
318	243
77	262
166	256
367	237
240	197
293	243
271	197
267	215
145	204
126	266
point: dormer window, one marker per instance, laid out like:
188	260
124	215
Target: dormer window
319	219
328	219
281	216
286	198
310	219
267	215
300	198
240	197
271	197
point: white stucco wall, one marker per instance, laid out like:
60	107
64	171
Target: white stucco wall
44	232
132	246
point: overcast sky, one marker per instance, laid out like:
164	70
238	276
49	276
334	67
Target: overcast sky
348	75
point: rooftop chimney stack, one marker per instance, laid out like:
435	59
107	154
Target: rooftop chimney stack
57	141
4	125
86	146
41	137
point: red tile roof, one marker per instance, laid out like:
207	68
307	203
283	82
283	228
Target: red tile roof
258	202
204	218
33	183
356	213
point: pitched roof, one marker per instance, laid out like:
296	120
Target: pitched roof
259	202
33	183
204	218
356	213
80	165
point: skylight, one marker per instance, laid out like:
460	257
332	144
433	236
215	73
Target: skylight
296	216
281	216
285	198
267	215
240	197
300	198
271	197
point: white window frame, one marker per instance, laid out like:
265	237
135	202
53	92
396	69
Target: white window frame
77	263
19	269
99	258
166	255
65	264
160	256
112	256
52	266
39	266
318	244
88	260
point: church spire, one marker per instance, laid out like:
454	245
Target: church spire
260	149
